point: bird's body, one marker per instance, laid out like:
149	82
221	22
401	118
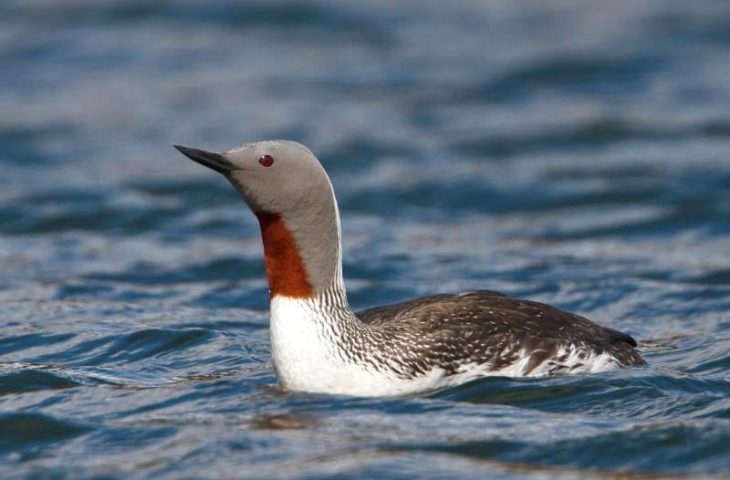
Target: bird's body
320	345
435	342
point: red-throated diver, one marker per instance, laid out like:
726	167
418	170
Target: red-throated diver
320	345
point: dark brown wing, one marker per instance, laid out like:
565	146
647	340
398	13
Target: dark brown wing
490	320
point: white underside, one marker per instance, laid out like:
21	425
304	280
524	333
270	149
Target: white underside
306	358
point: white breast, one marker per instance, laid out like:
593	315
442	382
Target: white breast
307	356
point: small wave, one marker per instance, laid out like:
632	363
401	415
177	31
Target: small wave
32	380
22	431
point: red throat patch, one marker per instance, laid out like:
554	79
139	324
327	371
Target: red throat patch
284	266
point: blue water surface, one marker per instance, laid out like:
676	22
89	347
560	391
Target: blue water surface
576	153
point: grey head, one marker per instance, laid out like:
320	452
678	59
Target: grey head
277	176
283	180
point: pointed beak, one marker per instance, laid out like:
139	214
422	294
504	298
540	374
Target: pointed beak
216	161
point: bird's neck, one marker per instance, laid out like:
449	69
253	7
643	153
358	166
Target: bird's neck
303	254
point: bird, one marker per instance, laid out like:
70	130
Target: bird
320	345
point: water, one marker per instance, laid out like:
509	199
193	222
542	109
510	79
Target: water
572	153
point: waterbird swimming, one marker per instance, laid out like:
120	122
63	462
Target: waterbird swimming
319	344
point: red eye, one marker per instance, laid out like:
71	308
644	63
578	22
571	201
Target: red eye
266	160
